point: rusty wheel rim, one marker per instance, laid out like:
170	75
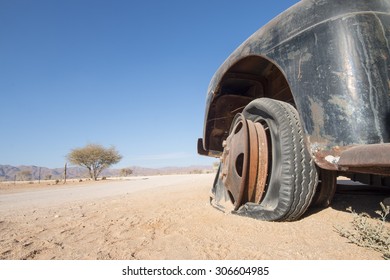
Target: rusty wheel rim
245	162
253	163
235	160
262	171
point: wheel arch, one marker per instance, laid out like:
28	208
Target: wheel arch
249	78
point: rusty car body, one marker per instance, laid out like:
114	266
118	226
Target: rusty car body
323	66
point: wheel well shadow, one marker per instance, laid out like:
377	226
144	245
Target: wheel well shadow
359	198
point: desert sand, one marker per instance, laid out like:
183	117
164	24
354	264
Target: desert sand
168	220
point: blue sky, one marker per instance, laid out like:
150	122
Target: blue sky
132	74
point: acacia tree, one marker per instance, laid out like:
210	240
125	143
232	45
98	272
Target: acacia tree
95	158
126	172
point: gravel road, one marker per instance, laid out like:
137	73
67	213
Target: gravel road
78	193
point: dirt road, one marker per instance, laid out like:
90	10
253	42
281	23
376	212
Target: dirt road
163	217
45	197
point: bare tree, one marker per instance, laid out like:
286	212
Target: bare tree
126	172
95	158
24	175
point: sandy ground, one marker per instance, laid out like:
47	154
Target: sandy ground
164	217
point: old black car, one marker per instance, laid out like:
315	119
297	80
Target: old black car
304	99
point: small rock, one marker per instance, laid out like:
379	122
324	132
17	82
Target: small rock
27	244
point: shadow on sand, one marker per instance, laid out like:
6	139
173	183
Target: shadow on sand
361	198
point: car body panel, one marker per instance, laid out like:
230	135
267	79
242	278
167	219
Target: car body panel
334	57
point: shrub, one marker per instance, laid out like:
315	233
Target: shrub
370	232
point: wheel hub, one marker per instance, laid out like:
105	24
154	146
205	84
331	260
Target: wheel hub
245	161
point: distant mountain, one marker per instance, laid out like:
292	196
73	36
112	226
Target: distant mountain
26	173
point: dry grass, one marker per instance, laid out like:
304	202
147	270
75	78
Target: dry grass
370	232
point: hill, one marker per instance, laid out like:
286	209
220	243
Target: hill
32	172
